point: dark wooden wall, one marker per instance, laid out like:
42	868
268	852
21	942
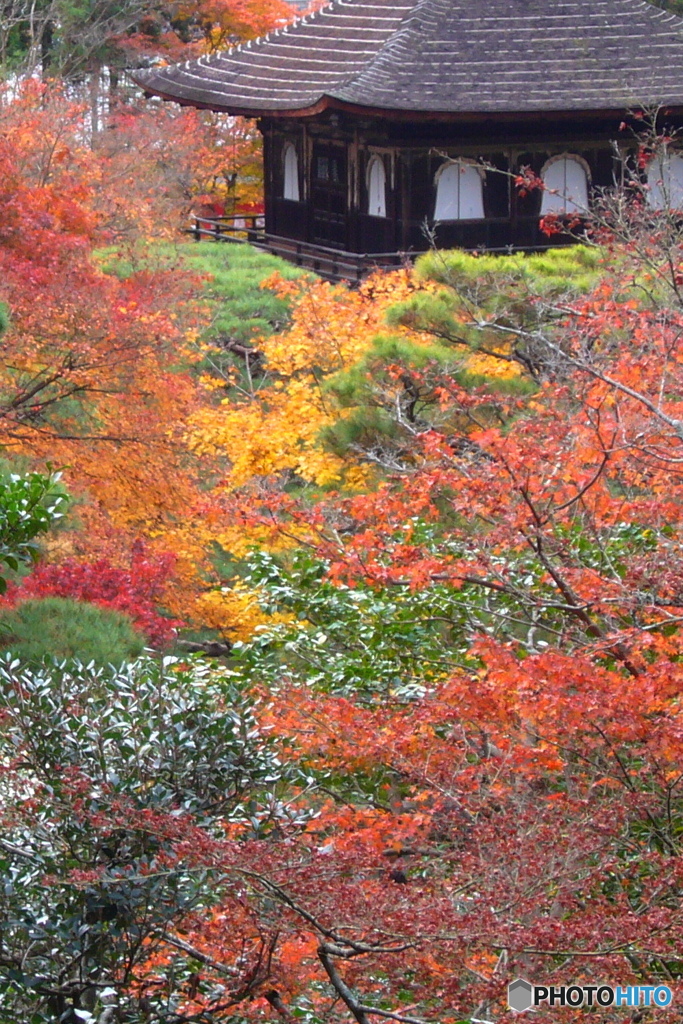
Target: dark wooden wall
334	153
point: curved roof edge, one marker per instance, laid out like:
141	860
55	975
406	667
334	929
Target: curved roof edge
438	116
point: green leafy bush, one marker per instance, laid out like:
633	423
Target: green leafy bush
497	305
369	390
128	771
64	629
233	274
29	505
358	641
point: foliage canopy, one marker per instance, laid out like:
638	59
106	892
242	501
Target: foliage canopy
436	523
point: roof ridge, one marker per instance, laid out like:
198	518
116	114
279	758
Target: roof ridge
408	34
408	27
654	9
400	29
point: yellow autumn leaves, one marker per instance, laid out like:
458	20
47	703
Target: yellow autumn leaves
279	427
275	434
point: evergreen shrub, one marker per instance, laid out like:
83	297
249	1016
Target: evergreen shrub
64	629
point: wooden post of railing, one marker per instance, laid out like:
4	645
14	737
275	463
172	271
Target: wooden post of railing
197	230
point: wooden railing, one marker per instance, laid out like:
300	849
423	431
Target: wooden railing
236	227
333	264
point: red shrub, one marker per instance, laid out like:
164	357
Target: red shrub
134	591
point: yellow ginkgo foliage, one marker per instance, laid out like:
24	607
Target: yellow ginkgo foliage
279	427
235	612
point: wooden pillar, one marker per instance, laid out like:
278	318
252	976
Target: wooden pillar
353	207
404	185
266	129
307	157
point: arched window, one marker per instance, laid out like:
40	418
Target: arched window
291	182
377	187
459	191
665	178
565	180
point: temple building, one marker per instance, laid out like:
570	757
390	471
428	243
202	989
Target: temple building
387	122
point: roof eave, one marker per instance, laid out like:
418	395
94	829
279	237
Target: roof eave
335	103
236	111
633	110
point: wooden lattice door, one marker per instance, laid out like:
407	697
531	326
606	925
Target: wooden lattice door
329	196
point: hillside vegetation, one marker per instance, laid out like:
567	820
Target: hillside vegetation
340	629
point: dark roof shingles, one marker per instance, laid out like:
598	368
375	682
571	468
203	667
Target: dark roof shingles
451	56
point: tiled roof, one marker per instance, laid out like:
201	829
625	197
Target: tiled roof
446	56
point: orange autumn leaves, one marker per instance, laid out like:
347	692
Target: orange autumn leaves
520	811
101	376
100	372
96	374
